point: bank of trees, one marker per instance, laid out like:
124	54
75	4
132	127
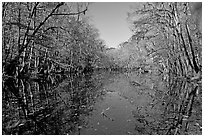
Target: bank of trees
39	36
172	37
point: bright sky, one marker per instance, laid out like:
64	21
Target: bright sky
110	19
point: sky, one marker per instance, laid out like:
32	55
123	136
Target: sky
111	20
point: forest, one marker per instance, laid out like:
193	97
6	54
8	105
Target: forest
55	66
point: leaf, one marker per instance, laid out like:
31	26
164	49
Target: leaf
80	127
22	26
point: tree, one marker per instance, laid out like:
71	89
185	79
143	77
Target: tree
36	35
168	26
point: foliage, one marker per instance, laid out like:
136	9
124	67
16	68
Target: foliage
43	37
171	36
172	39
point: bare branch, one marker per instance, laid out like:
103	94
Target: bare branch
68	14
40	25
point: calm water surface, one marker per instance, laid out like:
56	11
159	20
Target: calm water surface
101	103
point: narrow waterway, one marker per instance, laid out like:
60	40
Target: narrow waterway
127	99
101	103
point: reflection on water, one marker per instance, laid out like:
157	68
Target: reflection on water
101	103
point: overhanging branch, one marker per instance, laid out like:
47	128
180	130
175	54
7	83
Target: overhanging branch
68	14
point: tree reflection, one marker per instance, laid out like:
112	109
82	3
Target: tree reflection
176	111
43	106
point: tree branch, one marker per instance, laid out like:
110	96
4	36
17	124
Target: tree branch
41	24
68	14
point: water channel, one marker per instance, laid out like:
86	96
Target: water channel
101	103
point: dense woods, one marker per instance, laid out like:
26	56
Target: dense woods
44	43
164	34
48	37
40	43
167	40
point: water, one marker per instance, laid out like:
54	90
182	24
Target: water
102	103
115	113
